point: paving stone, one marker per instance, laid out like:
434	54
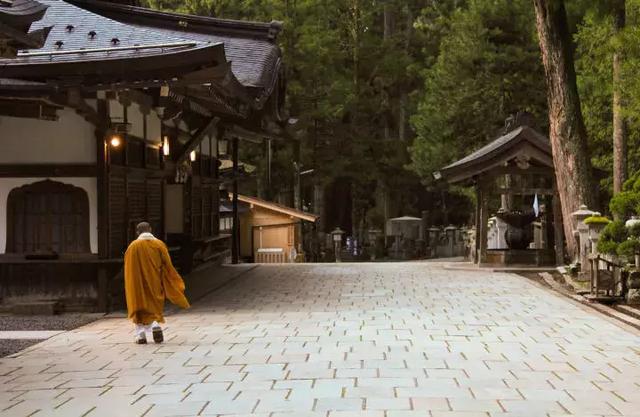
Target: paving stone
381	403
412	339
339	404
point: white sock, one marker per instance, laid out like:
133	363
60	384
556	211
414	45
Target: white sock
140	329
155	324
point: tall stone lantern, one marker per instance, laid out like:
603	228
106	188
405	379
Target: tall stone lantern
581	235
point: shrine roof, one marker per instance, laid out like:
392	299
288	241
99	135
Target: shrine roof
522	140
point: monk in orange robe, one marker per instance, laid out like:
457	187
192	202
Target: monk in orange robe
149	278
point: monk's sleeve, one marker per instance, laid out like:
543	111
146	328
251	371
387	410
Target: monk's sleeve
172	281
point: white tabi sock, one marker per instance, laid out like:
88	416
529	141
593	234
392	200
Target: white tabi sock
140	329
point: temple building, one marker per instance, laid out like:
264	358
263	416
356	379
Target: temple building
119	117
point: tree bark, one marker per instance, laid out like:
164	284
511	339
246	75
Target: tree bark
566	126
619	122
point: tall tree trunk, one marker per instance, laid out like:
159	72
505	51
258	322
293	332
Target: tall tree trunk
619	122
402	113
566	126
389	21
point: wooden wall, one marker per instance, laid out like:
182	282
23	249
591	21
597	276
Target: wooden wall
281	231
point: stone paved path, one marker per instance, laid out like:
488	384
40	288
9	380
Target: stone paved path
383	340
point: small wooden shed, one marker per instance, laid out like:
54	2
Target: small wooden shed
270	232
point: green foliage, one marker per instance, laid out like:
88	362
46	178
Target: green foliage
616	238
457	67
629	248
487	67
596	43
627	203
612	235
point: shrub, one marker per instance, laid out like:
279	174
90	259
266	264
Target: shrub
612	235
629	248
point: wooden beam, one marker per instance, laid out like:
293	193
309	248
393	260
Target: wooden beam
195	140
48	170
523	191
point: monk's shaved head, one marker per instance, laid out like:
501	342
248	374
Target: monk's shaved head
143	227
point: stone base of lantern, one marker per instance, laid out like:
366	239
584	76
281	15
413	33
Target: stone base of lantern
633	297
633	293
529	257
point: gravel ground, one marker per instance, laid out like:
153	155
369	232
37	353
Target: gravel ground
9	347
58	322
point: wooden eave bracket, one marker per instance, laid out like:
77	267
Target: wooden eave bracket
195	140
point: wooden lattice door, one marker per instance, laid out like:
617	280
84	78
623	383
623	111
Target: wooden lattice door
48	216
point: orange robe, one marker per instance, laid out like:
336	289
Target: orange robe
149	278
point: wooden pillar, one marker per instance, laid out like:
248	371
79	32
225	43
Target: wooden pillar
484	219
235	237
297	184
102	180
269	152
558	229
477	221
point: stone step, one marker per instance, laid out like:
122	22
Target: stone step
32	308
631	311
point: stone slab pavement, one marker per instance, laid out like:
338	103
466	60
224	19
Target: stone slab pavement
371	340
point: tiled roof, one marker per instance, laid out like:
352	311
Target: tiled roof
76	29
473	162
250	46
502	142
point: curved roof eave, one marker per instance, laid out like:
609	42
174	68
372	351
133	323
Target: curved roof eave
256	59
475	160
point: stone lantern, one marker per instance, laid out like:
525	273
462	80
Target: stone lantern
450	234
581	235
634	221
373	239
594	232
337	242
434	239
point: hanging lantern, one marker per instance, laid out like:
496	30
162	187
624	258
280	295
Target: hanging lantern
115	141
192	156
165	146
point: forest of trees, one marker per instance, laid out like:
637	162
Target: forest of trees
388	91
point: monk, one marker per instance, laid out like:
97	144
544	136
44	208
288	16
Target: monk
149	278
